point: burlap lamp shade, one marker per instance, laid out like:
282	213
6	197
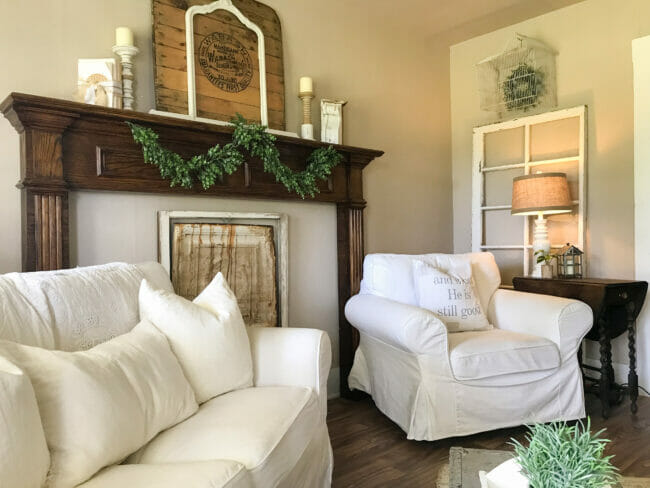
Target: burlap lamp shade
541	193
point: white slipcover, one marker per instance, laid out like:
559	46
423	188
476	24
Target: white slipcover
266	429
24	457
436	384
79	308
206	474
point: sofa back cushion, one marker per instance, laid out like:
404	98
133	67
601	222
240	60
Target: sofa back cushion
74	309
391	275
100	405
24	457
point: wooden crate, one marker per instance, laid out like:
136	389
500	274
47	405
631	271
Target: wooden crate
220	94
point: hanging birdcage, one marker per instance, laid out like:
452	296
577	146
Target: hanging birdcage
519	80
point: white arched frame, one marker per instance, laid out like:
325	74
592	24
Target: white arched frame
189	43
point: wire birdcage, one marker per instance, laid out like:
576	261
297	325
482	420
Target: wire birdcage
519	80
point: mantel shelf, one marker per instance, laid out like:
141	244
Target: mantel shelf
67	146
84	110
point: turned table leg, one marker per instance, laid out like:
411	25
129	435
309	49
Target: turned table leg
605	380
632	378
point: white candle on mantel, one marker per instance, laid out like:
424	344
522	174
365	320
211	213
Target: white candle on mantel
123	36
306	85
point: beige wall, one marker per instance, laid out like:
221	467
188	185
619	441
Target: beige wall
594	67
388	76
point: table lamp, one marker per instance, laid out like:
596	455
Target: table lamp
541	194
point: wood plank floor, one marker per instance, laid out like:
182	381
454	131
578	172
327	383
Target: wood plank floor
371	451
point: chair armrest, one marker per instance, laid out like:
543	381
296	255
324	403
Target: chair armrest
291	357
409	328
561	320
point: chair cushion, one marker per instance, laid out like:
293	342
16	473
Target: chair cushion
206	474
391	275
264	428
98	406
485	354
208	336
24	458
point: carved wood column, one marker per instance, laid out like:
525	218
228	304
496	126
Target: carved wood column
350	261
44	199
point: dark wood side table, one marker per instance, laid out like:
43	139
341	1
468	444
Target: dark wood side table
616	305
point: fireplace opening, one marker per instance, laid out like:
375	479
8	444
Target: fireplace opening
250	249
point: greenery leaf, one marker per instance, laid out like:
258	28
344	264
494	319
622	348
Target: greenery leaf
563	456
210	167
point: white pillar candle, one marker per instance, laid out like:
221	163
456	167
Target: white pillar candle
123	36
306	85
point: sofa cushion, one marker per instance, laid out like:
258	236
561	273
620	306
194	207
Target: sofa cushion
98	406
208	336
485	354
206	474
74	309
264	428
24	458
391	275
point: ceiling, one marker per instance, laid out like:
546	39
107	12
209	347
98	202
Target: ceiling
458	20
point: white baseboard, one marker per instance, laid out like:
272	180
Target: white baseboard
334	384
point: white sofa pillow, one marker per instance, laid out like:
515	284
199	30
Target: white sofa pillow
208	336
99	406
451	295
24	457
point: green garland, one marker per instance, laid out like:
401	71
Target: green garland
224	160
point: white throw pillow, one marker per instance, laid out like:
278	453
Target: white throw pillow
99	406
24	458
451	295
208	336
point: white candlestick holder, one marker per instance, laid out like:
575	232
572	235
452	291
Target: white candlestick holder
307	128
126	54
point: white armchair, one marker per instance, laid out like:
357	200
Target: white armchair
436	384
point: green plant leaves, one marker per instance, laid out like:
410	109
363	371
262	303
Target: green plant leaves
224	160
563	456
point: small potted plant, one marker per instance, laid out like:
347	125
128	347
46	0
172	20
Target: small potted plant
544	258
557	456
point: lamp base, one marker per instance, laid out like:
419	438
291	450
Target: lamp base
540	243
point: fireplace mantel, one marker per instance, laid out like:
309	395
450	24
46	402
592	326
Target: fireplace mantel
68	146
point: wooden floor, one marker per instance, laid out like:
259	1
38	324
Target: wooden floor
371	451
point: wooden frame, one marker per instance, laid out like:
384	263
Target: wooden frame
228	6
479	170
67	146
280	223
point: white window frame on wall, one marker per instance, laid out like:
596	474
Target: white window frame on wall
479	170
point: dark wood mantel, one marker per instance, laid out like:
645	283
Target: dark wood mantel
67	146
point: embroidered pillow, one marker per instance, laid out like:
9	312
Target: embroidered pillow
451	295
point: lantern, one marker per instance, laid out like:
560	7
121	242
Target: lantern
569	262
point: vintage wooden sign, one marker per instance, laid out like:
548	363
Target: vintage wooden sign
225	58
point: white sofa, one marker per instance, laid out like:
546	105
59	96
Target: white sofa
271	435
436	384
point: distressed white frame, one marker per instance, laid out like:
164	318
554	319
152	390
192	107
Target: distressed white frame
189	43
280	223
479	170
